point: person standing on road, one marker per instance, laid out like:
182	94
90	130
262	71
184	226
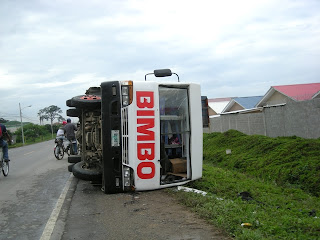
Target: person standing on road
4	133
69	131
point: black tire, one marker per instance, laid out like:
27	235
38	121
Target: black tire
94	91
70	167
5	168
86	174
69	103
74	112
58	152
86	101
67	150
74	159
70	148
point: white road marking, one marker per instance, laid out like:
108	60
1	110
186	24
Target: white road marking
46	235
28	153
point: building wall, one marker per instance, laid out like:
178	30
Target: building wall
235	107
211	112
247	123
295	118
277	98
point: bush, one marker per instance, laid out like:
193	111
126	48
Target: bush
32	132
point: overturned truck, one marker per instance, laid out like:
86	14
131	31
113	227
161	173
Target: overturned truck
141	135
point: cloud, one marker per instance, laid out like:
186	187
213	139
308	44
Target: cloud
52	51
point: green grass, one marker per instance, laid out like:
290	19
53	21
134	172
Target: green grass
281	174
37	140
284	160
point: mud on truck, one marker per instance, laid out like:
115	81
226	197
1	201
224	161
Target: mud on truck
139	135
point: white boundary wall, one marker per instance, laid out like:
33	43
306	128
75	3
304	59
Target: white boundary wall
300	119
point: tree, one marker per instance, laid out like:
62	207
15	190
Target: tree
50	113
2	120
42	116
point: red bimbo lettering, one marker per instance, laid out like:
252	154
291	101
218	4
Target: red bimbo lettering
145	134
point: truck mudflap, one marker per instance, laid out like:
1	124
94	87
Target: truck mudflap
111	137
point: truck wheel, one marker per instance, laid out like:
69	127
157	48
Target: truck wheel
69	103
73	112
86	101
79	171
74	159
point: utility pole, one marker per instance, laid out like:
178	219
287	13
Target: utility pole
21	122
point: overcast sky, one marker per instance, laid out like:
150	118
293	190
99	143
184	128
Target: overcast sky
51	50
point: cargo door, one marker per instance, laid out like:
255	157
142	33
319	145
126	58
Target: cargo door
175	134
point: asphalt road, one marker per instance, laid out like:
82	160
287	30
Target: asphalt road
40	199
30	192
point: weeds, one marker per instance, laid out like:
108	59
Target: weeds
284	160
281	175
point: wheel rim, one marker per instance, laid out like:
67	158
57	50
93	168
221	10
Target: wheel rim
5	168
67	150
58	153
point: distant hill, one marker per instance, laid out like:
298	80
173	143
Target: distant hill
14	124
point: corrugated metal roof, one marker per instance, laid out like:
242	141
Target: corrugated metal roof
218	104
245	102
299	92
219	99
248	102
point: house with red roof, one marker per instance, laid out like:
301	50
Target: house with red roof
287	110
290	93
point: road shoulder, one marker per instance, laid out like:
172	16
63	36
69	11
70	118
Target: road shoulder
143	215
63	214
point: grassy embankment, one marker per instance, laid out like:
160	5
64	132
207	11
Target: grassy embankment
37	140
281	174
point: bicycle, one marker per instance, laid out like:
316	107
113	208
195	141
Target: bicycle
4	165
70	149
59	149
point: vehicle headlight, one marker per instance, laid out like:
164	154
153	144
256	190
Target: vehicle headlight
125	100
125	90
126	93
127	178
